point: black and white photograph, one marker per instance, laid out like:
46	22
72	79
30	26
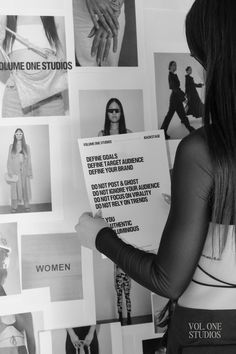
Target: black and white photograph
105	33
25	172
19	333
33	75
126	301
179	93
9	260
92	339
110	112
53	260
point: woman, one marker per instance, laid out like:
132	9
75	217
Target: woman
93	38
19	164
46	33
195	263
176	101
114	119
82	337
115	124
194	104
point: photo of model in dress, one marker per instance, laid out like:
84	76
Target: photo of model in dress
9	260
179	90
38	86
112	112
105	33
25	176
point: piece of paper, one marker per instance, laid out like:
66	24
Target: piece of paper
126	177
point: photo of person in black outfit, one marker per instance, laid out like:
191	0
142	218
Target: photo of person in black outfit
82	337
177	98
194	105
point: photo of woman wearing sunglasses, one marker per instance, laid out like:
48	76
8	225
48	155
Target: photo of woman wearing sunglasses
114	119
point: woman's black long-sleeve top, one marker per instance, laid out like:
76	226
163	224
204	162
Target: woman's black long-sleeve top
169	272
174	83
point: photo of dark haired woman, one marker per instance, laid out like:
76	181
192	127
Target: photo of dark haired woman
112	112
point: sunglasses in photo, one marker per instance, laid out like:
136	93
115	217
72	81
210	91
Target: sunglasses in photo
111	110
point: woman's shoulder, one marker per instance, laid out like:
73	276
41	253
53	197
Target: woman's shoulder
195	147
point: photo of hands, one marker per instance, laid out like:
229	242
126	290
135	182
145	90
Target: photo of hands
105	33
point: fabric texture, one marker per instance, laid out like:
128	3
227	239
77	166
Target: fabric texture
122	284
202	331
195	106
11	107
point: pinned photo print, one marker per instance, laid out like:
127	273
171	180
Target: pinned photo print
179	93
111	112
53	260
19	333
33	66
92	339
25	172
9	260
105	37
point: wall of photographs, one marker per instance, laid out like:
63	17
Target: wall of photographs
53	291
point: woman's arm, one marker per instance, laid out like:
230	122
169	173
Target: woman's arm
103	37
60	26
89	337
9	161
73	337
169	272
103	11
29	164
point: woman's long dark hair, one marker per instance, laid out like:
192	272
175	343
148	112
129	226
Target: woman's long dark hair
48	25
211	36
122	125
24	145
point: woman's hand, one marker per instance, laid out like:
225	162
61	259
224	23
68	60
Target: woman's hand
88	339
102	43
74	338
105	13
88	228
